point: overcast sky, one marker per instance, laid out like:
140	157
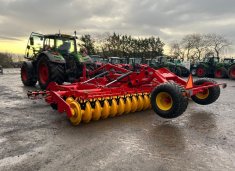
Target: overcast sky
168	19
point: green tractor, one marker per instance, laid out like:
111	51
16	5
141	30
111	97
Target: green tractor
171	64
207	68
213	67
53	58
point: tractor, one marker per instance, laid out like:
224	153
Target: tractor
167	62
53	58
207	68
229	65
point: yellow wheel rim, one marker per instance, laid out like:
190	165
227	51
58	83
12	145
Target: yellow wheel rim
121	106
97	111
105	110
128	105
134	104
140	103
87	113
164	101
203	95
76	112
113	108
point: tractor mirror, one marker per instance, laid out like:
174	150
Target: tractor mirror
31	40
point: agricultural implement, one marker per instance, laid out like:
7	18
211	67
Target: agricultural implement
115	91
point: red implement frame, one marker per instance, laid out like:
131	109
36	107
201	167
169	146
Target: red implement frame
116	81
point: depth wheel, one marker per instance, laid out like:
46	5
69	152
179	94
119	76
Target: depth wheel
168	101
209	95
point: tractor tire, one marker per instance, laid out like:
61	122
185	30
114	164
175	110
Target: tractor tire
220	73
176	70
209	96
48	71
231	72
185	72
168	101
201	71
27	74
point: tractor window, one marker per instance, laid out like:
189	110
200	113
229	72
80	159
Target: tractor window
35	45
49	44
65	45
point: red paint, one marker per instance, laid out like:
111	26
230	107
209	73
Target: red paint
43	73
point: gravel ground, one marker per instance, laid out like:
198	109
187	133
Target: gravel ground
34	137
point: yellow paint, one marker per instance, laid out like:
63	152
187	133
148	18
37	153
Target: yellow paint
97	111
121	106
106	110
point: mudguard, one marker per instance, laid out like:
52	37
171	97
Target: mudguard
54	57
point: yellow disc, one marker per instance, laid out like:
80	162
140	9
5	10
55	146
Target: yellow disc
87	113
134	104
203	95
140	103
69	100
128	105
113	108
146	102
164	101
97	111
121	106
76	112
105	110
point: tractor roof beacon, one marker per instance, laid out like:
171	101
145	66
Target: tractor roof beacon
53	58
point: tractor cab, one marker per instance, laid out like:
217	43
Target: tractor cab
229	60
117	60
211	60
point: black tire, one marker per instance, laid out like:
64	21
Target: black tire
179	101
176	70
27	73
201	71
214	92
220	73
184	72
56	72
231	72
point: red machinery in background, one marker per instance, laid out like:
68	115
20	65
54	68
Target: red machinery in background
114	91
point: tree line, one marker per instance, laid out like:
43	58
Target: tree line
123	46
198	46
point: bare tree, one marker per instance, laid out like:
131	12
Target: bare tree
217	42
176	50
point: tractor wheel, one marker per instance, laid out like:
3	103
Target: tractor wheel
27	74
201	71
176	70
49	72
209	95
185	72
220	73
168	101
231	72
